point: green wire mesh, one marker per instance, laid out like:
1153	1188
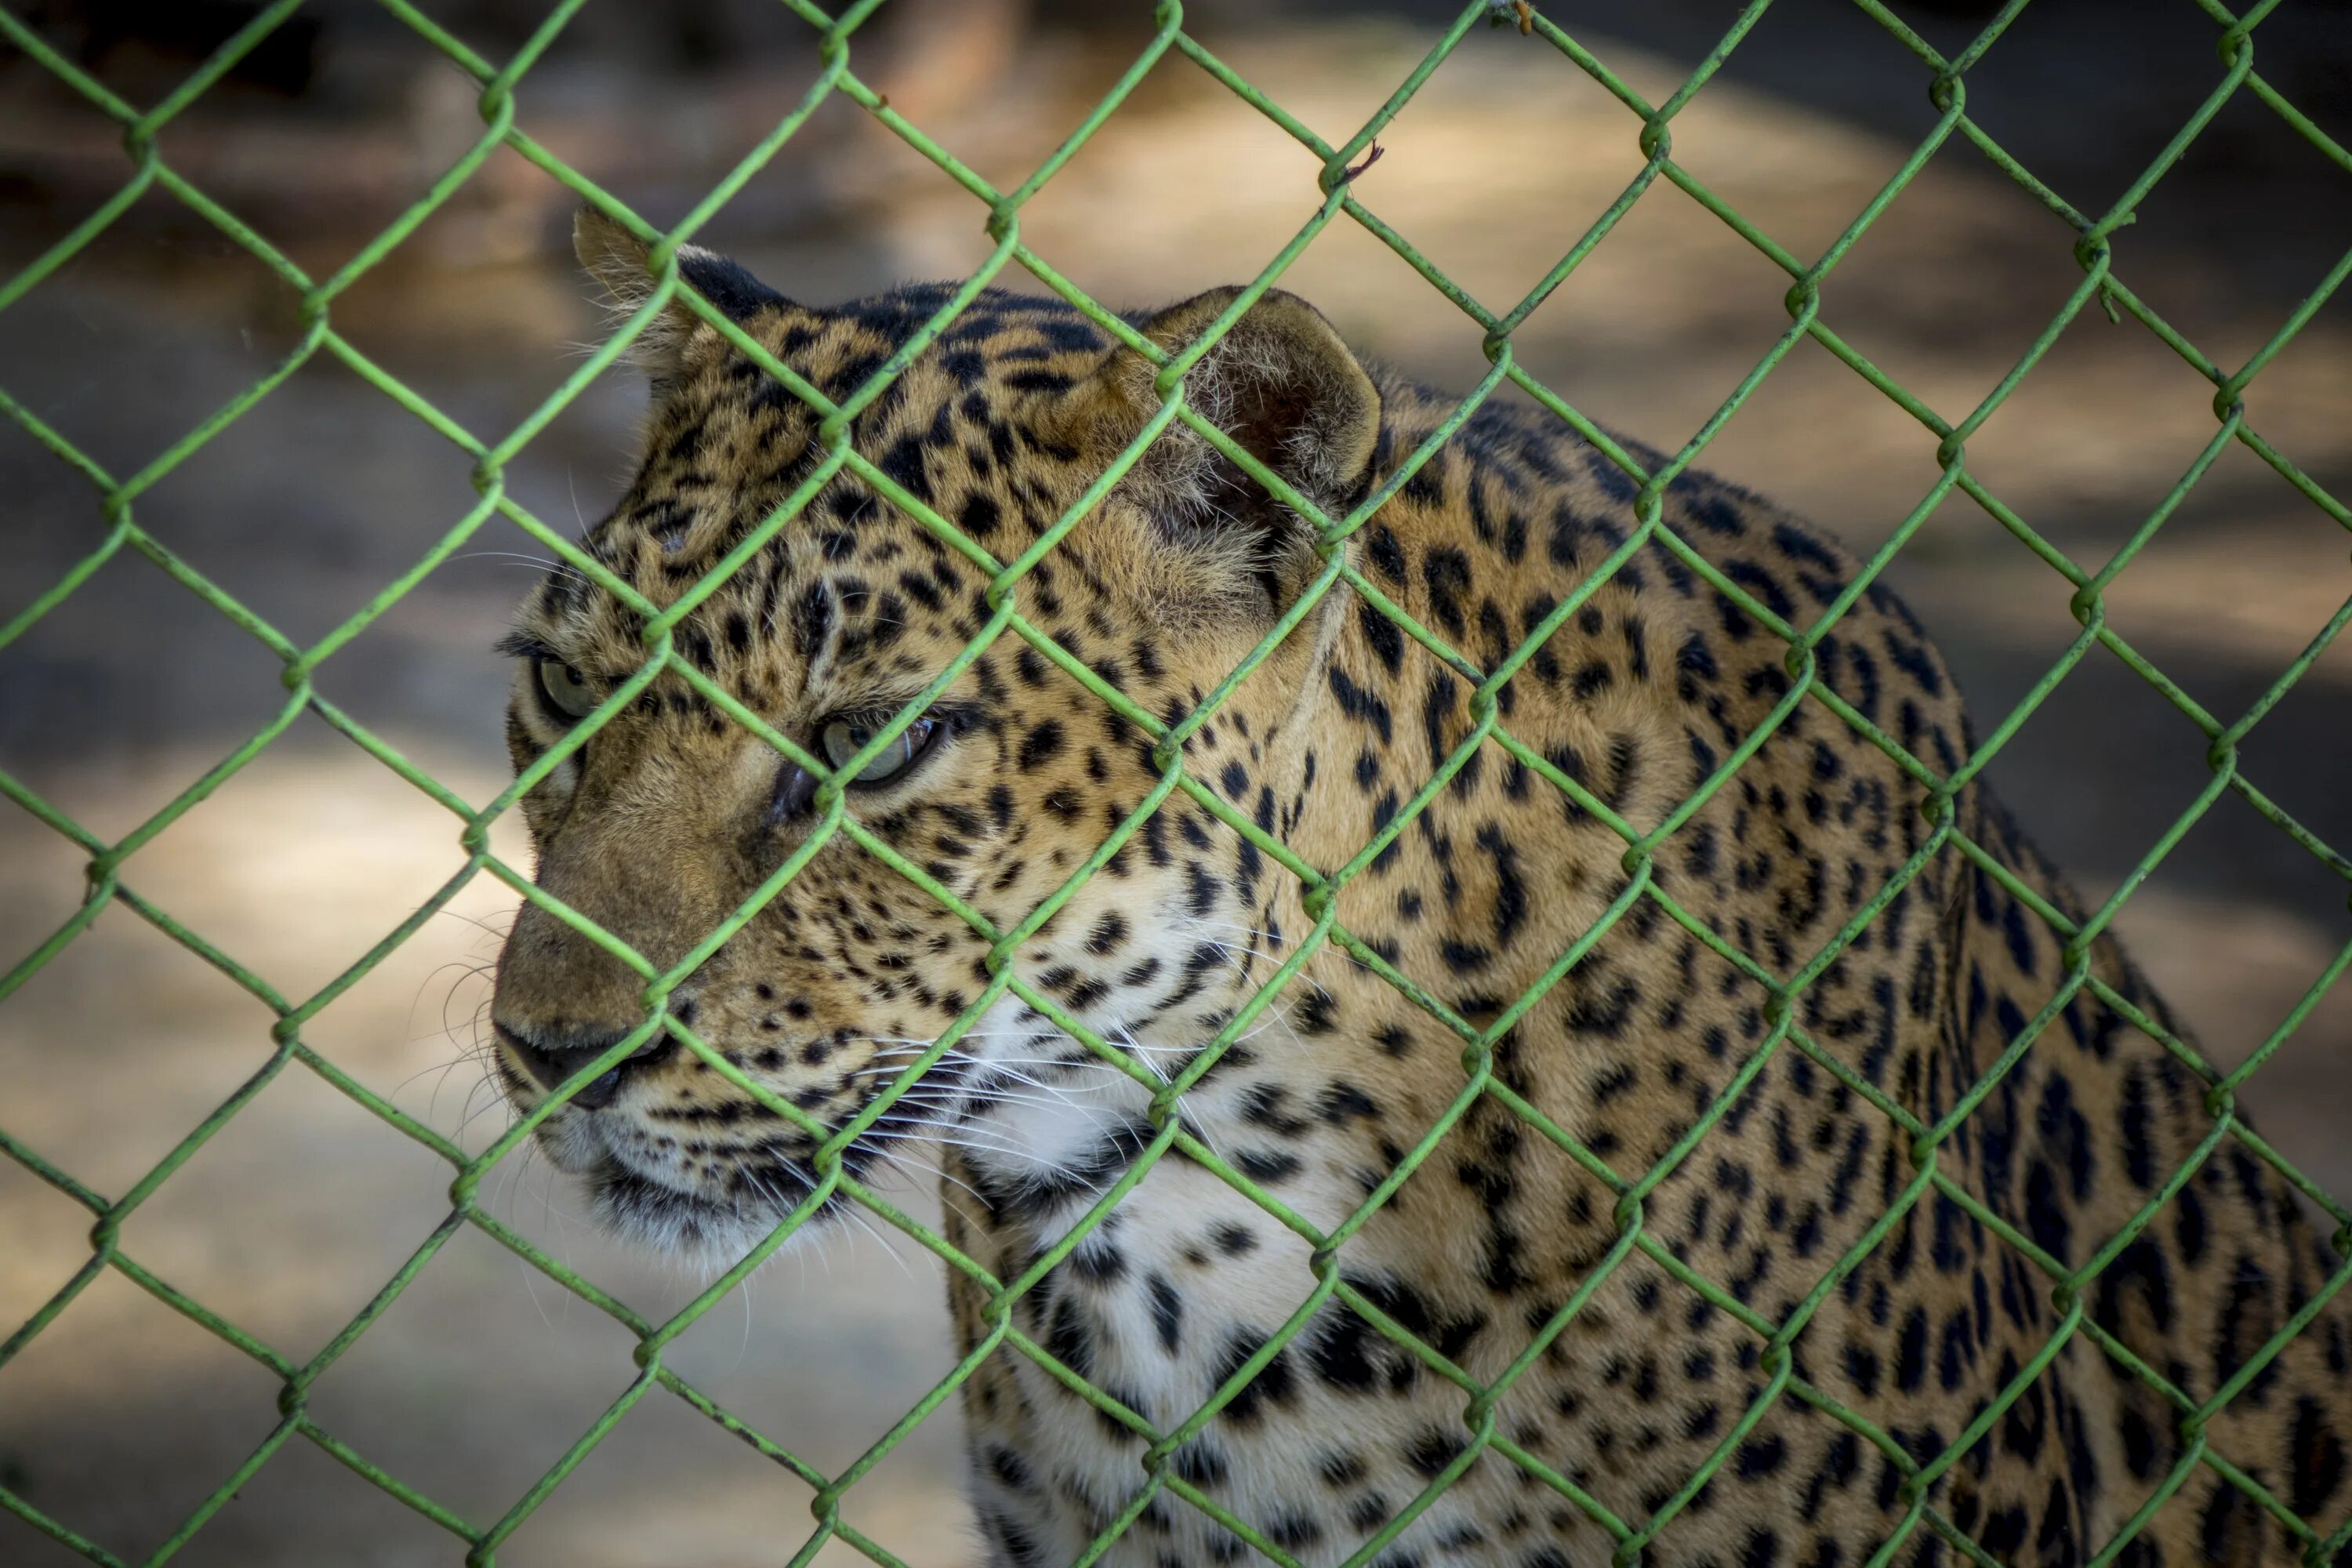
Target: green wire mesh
1945	80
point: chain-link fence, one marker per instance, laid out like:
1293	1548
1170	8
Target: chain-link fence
113	868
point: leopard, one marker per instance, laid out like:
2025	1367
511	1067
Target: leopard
1608	1081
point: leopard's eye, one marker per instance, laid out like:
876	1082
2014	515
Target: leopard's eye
565	691
843	739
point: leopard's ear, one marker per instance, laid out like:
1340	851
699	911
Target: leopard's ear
1289	392
616	258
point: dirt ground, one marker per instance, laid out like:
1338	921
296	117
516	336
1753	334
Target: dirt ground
122	1415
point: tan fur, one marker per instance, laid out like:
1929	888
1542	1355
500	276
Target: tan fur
666	822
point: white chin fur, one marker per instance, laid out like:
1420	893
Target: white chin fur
704	1234
571	1143
706	1237
1040	1121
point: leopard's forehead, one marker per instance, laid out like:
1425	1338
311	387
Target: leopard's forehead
968	426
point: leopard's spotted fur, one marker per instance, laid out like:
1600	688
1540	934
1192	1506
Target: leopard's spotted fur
672	816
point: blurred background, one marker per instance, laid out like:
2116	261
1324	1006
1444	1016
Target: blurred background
122	1416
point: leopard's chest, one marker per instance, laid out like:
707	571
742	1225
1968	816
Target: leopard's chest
1161	1305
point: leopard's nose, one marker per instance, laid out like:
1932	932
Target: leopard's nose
552	1056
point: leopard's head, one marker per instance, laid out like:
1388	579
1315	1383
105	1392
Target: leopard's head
670	827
